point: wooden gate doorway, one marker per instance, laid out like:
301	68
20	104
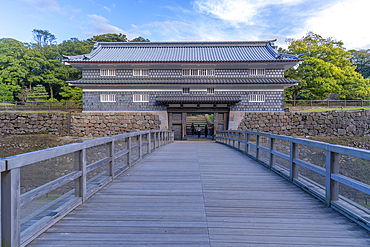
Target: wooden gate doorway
177	119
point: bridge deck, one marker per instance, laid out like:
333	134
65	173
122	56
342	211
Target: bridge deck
202	194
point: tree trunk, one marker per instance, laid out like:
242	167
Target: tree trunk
51	91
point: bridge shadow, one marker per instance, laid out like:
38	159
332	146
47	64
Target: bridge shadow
202	193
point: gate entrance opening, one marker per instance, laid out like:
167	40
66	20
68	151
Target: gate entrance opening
180	121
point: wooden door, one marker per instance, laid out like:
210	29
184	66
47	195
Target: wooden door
177	128
221	120
176	123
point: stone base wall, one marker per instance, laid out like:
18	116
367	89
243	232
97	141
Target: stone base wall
82	124
36	123
342	123
112	123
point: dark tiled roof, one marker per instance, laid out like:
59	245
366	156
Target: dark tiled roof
182	52
198	99
185	81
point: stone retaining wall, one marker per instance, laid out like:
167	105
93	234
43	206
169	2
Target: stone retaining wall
82	124
342	123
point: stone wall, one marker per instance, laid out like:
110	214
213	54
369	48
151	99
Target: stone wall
342	123
106	124
82	124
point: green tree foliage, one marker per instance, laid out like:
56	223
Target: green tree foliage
71	93
361	59
5	93
327	68
38	93
23	67
139	39
109	37
43	37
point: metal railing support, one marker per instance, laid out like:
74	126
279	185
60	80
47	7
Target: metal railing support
271	156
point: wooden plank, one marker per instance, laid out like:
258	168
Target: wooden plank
184	194
98	164
281	155
310	166
48	187
365	188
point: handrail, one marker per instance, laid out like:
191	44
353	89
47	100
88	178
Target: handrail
11	199
331	171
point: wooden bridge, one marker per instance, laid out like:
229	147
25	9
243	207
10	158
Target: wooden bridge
193	193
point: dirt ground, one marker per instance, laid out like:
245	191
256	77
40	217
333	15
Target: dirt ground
17	144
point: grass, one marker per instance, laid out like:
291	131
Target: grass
31	112
6	104
335	109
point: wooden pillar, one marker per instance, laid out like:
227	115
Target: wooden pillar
238	140
111	154
149	142
82	179
140	146
10	208
245	142
215	123
271	156
257	149
129	151
332	167
293	171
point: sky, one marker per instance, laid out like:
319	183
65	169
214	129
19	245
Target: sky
189	20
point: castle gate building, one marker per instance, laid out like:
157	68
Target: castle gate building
173	79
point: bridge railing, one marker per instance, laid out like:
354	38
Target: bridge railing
39	188
288	155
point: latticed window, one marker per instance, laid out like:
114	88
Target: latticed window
257	72
198	72
141	98
256	98
107	98
107	72
141	72
185	90
210	90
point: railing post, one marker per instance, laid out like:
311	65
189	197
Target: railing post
155	140
238	141
362	103
111	164
149	142
233	134
82	179
257	149
293	171
140	146
129	151
271	156
332	167
246	140
345	103
10	208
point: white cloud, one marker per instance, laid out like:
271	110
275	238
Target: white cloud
345	20
171	30
237	11
107	9
100	25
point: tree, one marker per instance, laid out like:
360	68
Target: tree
139	39
38	94
71	93
361	59
326	69
23	95
109	37
5	93
43	37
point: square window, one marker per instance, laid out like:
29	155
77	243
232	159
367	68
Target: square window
107	98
